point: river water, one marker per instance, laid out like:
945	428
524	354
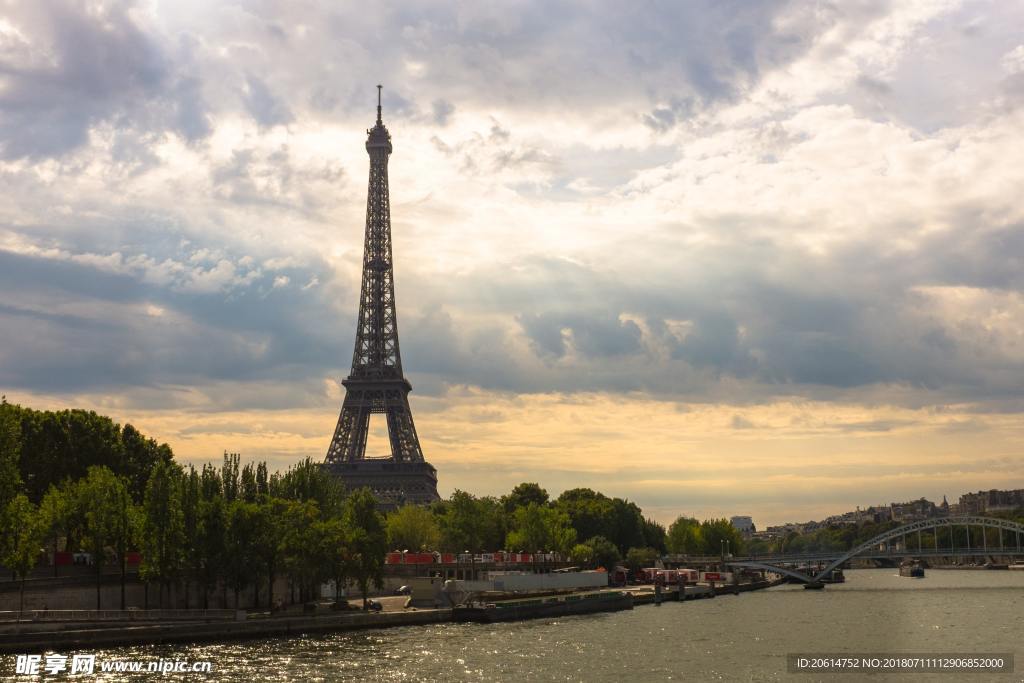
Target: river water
730	638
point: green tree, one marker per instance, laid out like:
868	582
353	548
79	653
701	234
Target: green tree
262	483
582	554
191	496
413	527
464	524
654	535
141	454
595	514
210	483
541	528
243	529
715	532
125	526
22	540
337	552
308	480
229	476
683	536
247	483
163	538
64	445
590	512
640	558
10	452
55	514
603	552
367	541
103	503
211	544
306	555
524	494
271	535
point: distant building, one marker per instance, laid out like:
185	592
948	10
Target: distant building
743	524
913	511
980	503
994	500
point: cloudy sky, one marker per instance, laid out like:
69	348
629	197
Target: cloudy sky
717	257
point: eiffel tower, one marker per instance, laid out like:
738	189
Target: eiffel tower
376	383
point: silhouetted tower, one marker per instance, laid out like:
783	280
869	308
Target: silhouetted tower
376	383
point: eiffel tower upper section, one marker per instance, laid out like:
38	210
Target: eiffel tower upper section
376	354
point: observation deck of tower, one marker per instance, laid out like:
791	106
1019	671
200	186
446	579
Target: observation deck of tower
376	383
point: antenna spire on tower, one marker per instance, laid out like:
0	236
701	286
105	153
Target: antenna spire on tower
378	102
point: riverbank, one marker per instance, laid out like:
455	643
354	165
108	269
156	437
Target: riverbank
39	636
107	635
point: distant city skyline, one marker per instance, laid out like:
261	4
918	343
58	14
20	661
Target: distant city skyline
717	258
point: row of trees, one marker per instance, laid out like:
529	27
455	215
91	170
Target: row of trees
230	528
589	527
526	518
64	444
78	480
91	485
687	536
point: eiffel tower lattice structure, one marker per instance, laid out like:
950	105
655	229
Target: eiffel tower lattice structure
376	383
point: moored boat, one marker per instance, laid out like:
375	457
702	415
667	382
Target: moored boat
550	606
912	569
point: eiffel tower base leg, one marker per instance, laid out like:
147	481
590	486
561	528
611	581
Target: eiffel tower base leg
393	483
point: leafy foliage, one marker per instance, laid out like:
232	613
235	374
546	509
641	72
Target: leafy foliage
413	527
367	541
683	536
60	445
639	558
522	495
603	553
541	528
471	524
10	452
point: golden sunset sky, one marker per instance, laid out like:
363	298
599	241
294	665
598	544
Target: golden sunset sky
715	257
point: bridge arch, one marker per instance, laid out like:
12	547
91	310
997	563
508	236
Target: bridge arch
886	536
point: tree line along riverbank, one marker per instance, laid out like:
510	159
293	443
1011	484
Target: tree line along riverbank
76	481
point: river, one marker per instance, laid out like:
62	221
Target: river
730	638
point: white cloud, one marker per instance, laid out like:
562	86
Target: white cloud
1013	61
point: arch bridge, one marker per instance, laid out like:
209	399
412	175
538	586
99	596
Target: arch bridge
871	547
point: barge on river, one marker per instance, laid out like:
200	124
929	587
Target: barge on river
548	606
913	570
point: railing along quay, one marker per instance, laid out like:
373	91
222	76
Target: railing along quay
91	615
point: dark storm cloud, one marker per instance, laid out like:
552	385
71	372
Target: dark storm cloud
596	336
126	333
831	323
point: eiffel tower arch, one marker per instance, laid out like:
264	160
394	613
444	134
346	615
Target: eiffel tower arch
376	383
